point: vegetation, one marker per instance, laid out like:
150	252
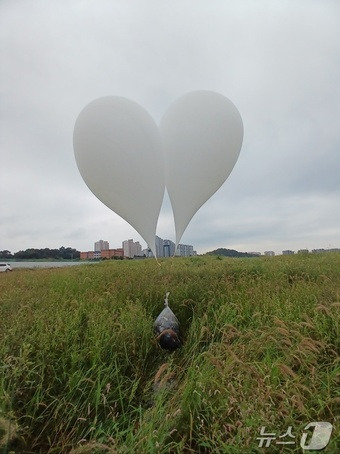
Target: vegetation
44	254
231	253
81	371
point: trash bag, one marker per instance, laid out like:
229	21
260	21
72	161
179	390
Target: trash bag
166	327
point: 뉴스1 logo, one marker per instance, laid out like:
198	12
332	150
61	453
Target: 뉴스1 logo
319	440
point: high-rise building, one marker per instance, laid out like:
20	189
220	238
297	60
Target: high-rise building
101	245
147	252
131	248
168	248
185	250
164	248
137	249
159	243
128	248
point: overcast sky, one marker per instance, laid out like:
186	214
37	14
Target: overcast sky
278	61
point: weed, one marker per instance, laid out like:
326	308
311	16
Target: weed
81	371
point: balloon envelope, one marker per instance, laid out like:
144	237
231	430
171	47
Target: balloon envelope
202	135
118	151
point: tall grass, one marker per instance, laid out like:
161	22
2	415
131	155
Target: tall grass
82	373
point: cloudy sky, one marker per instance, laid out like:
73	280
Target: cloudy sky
277	60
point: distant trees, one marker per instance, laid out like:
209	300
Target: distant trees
230	253
45	254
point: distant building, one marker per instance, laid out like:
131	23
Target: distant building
269	253
104	254
164	248
287	252
132	249
128	248
168	248
180	251
320	251
185	250
137	251
159	243
90	255
109	253
147	252
303	251
101	245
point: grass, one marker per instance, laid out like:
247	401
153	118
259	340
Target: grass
81	371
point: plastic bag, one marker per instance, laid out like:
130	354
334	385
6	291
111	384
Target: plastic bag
166	327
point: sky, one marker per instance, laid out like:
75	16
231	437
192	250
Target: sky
278	61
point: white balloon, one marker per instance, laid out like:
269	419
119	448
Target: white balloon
118	151
202	135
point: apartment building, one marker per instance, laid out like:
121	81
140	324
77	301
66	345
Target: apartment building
132	248
101	245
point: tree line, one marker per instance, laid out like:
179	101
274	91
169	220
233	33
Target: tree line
63	253
231	253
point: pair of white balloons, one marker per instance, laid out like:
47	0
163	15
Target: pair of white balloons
126	160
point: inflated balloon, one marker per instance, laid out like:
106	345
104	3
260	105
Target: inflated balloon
118	151
202	135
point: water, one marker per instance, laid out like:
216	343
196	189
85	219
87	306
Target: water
15	265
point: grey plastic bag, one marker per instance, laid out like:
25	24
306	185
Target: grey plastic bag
166	327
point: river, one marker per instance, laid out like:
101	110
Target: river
51	264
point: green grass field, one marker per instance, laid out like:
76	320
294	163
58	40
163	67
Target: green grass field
81	371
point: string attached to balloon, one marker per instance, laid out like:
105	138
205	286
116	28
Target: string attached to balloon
126	160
